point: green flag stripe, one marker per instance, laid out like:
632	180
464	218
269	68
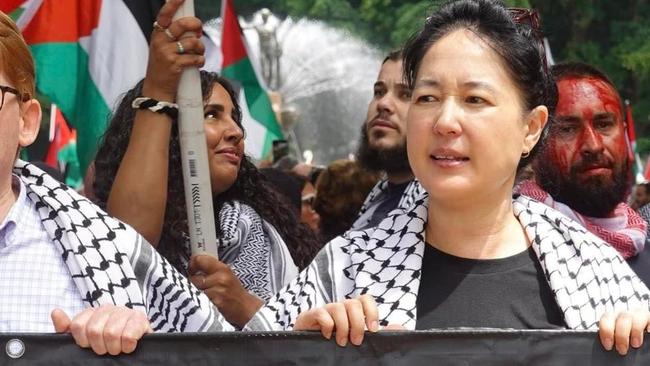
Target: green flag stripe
258	101
268	143
14	15
64	77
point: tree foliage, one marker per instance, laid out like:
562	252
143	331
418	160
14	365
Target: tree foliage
613	35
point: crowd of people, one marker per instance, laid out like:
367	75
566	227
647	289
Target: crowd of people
489	190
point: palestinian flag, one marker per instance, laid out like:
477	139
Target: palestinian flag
59	136
87	54
12	7
258	116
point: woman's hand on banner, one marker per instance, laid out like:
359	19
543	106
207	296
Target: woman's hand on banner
623	330
348	319
107	329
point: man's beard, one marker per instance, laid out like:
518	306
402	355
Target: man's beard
596	196
393	160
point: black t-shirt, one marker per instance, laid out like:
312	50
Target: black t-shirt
497	293
393	194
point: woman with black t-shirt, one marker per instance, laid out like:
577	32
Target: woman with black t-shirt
468	254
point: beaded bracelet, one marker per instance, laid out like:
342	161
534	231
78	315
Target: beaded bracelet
170	109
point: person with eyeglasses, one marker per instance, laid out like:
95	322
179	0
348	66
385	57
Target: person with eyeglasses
308	214
468	253
62	256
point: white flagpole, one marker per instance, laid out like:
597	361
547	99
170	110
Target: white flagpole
52	122
194	155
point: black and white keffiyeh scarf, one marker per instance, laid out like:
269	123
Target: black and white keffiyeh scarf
587	276
111	263
255	250
378	194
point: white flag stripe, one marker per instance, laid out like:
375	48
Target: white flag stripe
212	55
255	131
118	52
52	122
30	7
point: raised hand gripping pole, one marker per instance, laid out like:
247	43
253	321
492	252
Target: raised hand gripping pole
194	155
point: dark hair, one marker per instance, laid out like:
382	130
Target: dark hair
250	186
582	70
518	44
578	69
289	185
646	186
341	190
394	55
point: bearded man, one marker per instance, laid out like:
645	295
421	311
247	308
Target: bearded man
584	168
382	147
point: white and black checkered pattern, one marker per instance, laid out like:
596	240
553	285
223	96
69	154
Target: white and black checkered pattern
644	212
112	264
255	250
33	278
587	276
378	194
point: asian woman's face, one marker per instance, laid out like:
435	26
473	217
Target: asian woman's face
467	127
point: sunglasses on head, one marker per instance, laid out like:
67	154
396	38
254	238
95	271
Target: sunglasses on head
530	17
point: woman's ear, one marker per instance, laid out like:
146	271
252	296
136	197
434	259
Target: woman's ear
535	122
30	122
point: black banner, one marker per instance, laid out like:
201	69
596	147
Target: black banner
458	347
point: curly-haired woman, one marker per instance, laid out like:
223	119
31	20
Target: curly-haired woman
139	180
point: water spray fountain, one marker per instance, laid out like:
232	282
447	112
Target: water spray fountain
325	79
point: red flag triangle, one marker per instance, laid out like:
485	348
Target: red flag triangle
232	45
7	6
63	21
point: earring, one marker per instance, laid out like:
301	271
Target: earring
525	154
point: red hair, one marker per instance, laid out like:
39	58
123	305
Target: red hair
16	62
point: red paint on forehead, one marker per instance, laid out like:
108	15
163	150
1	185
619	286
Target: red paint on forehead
585	97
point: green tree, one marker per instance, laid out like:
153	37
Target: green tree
612	35
384	23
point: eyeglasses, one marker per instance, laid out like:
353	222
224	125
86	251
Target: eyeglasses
530	17
7	89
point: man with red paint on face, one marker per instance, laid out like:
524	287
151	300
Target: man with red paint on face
584	169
